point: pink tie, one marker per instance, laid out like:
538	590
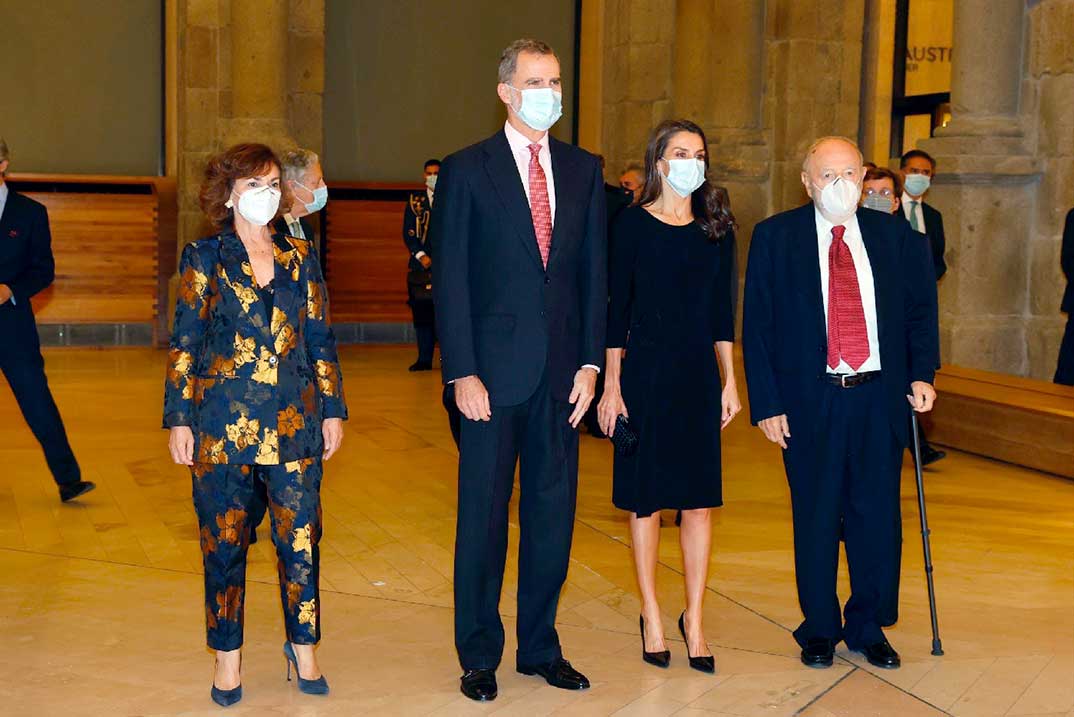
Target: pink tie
539	206
847	335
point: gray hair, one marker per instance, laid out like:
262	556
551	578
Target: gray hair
635	167
4	153
813	149
296	162
509	56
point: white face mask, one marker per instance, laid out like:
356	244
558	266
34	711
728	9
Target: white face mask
685	175
430	182
839	200
540	107
259	206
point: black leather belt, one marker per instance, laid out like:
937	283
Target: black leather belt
850	380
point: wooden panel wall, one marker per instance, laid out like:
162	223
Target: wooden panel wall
1013	419
113	239
364	252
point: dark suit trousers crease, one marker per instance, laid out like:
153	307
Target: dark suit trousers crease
24	368
844	480
535	433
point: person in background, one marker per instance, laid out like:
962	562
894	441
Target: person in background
840	333
918	169
522	300
633	179
881	190
671	305
254	394
27	267
419	280
304	177
1064	371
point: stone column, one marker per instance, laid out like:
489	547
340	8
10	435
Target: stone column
986	187
259	72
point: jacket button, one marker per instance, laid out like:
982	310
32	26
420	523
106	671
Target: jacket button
547	280
273	361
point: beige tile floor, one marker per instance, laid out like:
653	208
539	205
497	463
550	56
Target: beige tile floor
101	601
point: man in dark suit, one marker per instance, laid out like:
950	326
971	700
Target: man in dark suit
1064	372
419	277
305	178
918	168
27	267
520	281
839	331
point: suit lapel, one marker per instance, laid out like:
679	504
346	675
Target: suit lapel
287	289
240	278
808	257
11	208
563	176
503	172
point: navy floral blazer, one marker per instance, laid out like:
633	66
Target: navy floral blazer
251	392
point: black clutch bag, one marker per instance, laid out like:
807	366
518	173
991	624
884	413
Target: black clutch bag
624	438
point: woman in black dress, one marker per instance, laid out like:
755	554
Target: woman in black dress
671	314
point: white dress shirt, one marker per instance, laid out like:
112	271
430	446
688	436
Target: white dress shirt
520	149
864	270
908	209
294	225
3	198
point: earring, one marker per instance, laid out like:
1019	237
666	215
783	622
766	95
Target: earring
229	204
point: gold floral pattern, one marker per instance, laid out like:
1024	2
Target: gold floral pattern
243	432
268	453
289	421
193	285
232	526
307	613
327	377
210	451
315	300
245	350
301	542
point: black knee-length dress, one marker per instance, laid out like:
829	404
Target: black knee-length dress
671	300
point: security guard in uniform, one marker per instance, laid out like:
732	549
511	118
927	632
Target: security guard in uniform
419	278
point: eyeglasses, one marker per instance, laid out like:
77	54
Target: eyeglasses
882	192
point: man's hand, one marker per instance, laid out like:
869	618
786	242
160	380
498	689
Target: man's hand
923	398
472	398
332	430
776	429
181	445
585	388
426	261
5	294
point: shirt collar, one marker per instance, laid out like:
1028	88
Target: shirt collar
824	227
520	143
3	193
906	199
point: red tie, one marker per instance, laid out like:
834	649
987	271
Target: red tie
540	209
847	336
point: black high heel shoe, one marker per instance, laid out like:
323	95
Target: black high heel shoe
706	663
226	698
309	687
660	659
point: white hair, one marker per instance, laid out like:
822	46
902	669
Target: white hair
813	149
296	162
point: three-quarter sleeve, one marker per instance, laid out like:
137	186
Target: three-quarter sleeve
623	250
321	344
722	308
196	284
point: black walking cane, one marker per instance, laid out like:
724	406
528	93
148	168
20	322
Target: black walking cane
937	648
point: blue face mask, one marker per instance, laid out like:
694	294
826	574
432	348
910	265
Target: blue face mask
685	175
917	184
320	198
540	107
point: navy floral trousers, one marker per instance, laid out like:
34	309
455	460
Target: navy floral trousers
223	497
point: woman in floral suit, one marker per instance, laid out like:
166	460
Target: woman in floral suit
253	394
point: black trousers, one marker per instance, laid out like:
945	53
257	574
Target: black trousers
1064	370
24	368
844	471
535	434
424	325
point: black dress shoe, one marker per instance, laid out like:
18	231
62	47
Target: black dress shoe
558	673
705	663
930	455
421	366
479	685
818	652
661	658
881	654
70	491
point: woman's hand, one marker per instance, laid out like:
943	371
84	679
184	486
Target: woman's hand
332	430
729	404
181	445
611	406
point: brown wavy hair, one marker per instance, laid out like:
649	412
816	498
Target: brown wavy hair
711	204
224	169
884	173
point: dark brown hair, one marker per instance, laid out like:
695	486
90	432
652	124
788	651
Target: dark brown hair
884	173
711	205
224	169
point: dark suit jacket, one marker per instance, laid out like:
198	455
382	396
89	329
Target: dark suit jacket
416	226
499	313
253	391
279	225
937	240
784	338
1066	260
26	263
